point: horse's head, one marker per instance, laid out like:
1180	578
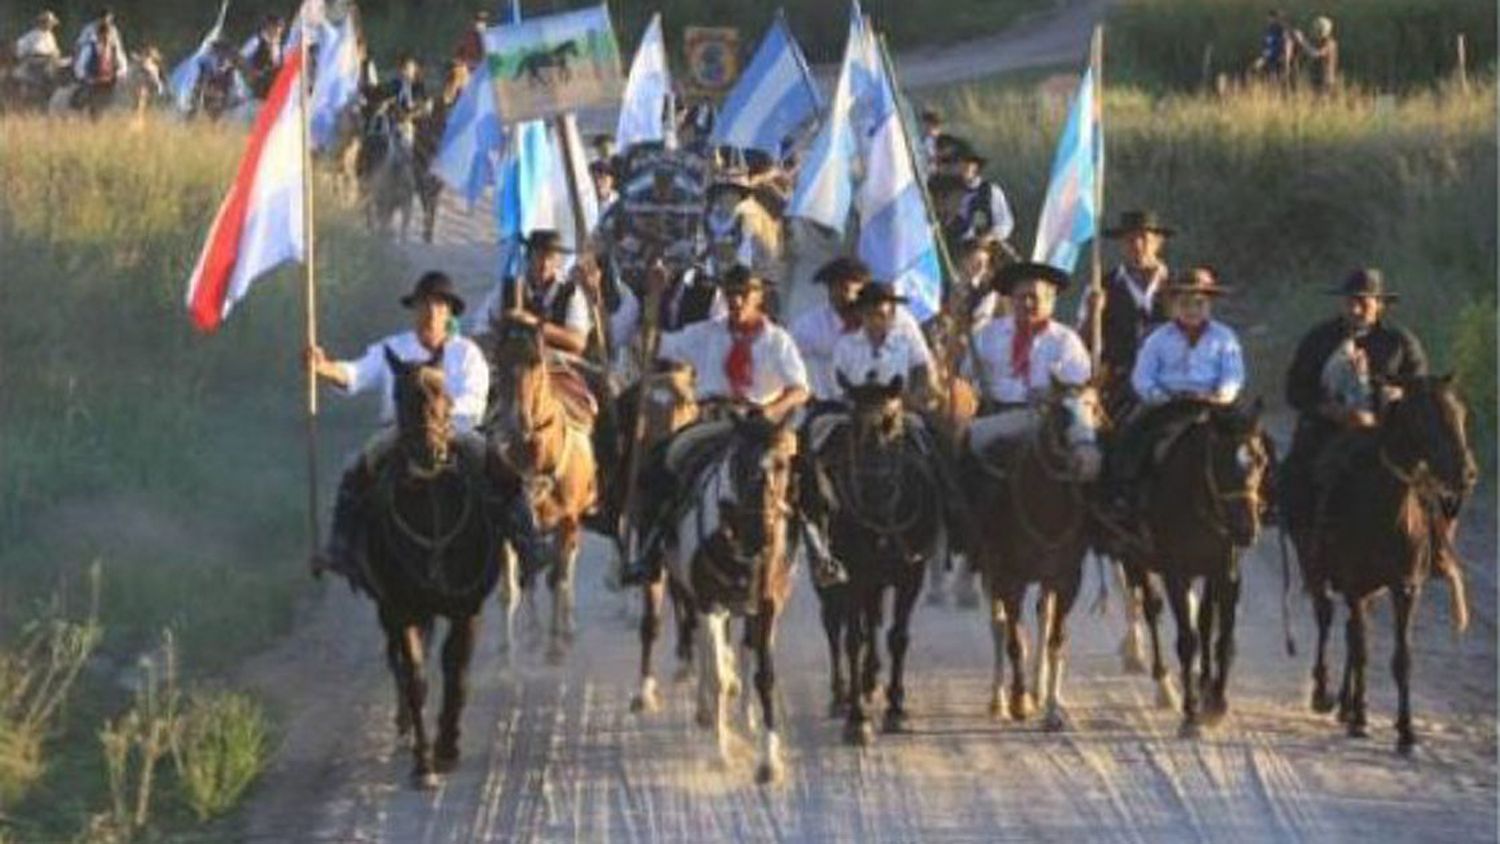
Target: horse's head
520	374
1238	463
878	412
1071	417
423	409
760	465
1425	432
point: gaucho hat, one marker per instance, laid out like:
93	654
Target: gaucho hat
435	284
1011	275
1367	281
1136	221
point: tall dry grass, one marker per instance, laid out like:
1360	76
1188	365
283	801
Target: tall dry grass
1287	194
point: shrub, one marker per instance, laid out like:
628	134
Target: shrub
222	747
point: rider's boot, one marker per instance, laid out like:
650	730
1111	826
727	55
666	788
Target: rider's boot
826	569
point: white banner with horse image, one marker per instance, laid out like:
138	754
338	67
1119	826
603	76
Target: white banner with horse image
550	65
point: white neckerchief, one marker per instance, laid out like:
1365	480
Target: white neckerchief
1143	298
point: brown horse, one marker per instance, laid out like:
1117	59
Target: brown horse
1202	507
431	550
547	445
1383	526
886	521
1034	531
730	558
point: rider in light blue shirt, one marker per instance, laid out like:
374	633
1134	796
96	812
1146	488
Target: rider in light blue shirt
1195	358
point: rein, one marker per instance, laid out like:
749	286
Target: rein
848	486
435	547
1051	456
1218	519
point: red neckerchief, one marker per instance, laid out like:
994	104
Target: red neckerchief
739	366
1020	347
1193	335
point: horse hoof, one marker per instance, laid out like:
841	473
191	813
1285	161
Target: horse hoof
645	703
1166	695
1132	662
896	721
1022	706
1406	743
445	759
1190	730
1358	730
424	778
859	734
997	708
1323	702
1054	722
768	773
1213	712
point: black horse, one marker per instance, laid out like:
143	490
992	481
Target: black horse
1202	506
536	63
886	519
1384	525
431	550
1033	529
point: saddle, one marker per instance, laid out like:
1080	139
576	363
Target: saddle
573	393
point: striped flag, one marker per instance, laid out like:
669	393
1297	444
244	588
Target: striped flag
773	97
469	154
259	226
337	81
896	237
1069	218
644	109
825	182
184	77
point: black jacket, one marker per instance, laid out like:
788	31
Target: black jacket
1126	324
1392	351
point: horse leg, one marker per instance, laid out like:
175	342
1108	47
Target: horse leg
1046	604
1135	586
458	650
1179	595
718	651
1322	700
1022	705
561	584
687	630
1151	607
393	658
859	638
1358	629
1227	591
997	639
898	640
1207	615
771	767
647	699
509	597
870	630
831	608
413	659
1404	598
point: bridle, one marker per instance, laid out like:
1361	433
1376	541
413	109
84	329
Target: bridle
1220	499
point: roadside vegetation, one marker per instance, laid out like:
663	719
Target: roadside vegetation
173	459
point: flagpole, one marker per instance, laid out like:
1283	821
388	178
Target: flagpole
310	297
1096	276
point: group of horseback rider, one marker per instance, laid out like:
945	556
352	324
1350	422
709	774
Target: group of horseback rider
1162	351
98	65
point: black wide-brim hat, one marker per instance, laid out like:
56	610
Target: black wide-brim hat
1364	282
740	277
878	293
1011	275
545	240
1198	280
1137	221
435	285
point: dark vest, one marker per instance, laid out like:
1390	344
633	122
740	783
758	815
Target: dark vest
1125	324
555	313
694	305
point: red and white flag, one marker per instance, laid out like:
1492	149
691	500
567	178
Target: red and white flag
259	226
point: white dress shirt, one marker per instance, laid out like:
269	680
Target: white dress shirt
775	363
860	361
1056	352
818	331
37	44
1168	365
466	375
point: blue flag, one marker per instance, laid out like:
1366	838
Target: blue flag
773	97
1069	217
184	77
472	140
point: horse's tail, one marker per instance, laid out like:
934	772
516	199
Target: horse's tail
1286	594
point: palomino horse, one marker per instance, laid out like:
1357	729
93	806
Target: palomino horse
666	406
1384	526
886	521
730	558
1032	469
431	551
544	441
1202	507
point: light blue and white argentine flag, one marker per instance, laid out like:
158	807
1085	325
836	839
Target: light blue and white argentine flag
648	90
469	155
337	82
1069	218
896	237
825	182
184	77
773	97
